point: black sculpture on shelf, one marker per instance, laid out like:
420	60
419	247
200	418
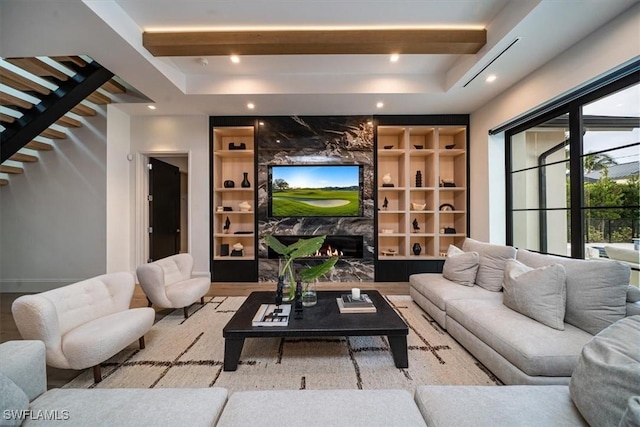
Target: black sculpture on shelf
227	225
245	181
418	179
417	248
416	226
385	204
298	301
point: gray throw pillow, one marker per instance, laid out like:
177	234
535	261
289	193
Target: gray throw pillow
460	267
631	417
538	293
492	261
12	398
633	294
608	374
596	290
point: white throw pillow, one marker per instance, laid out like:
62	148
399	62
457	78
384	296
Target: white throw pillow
539	293
491	265
461	267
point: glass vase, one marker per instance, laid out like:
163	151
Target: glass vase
289	287
309	293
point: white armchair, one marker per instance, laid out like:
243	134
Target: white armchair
167	282
85	323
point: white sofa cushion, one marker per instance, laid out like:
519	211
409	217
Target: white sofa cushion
439	290
492	261
135	407
539	293
608	373
365	408
182	294
596	290
94	342
532	347
482	406
461	267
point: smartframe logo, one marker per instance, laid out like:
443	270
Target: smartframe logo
36	415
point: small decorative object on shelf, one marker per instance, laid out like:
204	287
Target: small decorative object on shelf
238	249
419	147
229	184
298	302
418	206
447	207
444	183
224	249
241	146
388	147
244	206
227	209
245	181
385	204
227	225
418	179
386	180
387	230
450	146
417	248
448	230
416	225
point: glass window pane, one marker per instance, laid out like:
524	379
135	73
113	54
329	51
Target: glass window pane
543	231
546	187
542	144
605	226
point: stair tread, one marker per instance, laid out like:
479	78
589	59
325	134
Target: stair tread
83	110
21	83
6	99
74	59
53	134
10	169
98	98
69	122
37	67
3	182
39	146
25	158
113	86
6	118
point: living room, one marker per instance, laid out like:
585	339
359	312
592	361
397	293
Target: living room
95	192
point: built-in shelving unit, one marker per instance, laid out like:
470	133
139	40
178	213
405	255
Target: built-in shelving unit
422	176
235	203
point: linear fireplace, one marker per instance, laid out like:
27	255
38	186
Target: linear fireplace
334	245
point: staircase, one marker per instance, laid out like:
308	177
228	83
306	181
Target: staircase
43	98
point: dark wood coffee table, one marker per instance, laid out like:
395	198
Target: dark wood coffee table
323	319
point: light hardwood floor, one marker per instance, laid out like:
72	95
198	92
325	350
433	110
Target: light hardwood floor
58	377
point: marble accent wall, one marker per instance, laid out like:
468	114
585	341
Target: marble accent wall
317	140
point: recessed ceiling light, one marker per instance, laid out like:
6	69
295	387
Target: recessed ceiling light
491	78
235	59
380	104
395	57
151	107
251	106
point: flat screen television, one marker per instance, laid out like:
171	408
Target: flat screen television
315	190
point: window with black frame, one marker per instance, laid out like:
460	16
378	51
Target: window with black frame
572	174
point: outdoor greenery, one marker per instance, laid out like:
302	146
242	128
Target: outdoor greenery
315	202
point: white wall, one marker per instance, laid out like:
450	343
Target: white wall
180	134
52	217
612	45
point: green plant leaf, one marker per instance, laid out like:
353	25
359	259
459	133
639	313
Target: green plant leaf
276	245
316	271
306	247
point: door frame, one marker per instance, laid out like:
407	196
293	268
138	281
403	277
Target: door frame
141	226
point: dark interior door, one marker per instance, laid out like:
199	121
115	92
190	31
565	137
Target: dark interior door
164	210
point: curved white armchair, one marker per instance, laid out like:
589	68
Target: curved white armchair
85	323
168	282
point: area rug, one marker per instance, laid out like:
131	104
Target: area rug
189	353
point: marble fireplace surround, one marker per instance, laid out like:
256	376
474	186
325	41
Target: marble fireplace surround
295	140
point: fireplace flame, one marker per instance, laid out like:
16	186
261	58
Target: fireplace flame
328	252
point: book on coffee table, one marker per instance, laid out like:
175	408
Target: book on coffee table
364	305
272	315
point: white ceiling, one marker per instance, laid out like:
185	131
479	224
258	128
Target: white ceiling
110	32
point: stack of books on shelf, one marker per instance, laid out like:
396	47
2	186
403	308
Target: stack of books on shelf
272	315
347	304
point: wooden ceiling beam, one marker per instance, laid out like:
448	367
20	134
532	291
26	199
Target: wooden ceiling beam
315	42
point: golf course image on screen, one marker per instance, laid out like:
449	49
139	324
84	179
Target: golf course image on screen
315	190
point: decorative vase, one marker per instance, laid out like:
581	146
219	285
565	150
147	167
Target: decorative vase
417	248
289	282
418	179
309	293
245	181
386	178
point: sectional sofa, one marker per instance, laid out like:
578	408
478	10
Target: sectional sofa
524	315
604	391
